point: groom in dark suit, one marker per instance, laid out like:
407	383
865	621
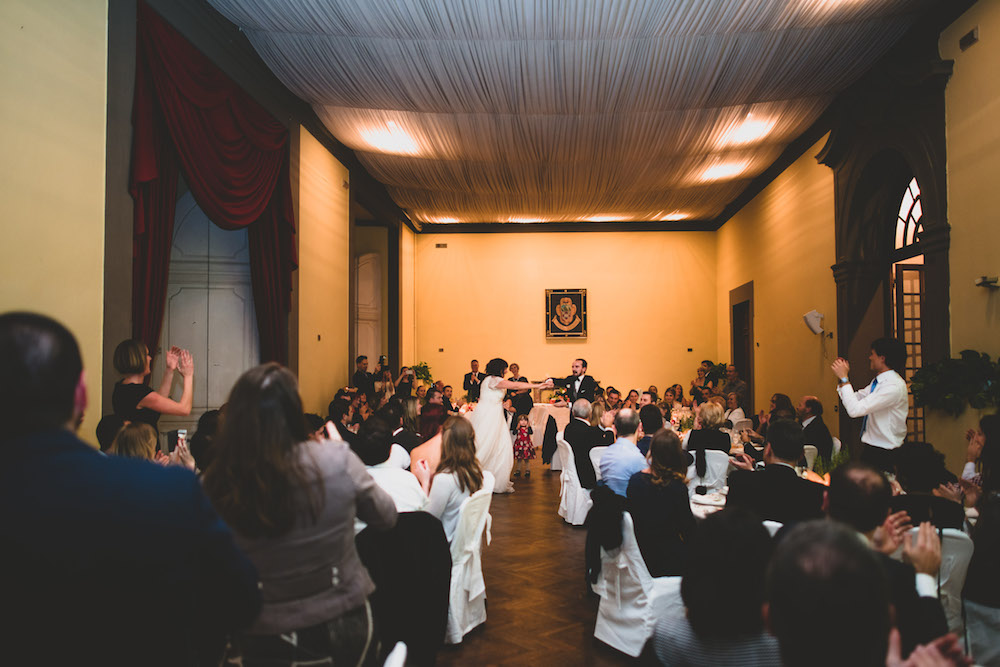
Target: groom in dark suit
579	384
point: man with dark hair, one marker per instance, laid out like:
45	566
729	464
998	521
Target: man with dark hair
651	420
582	437
472	382
734	385
859	497
362	380
434	395
622	459
814	431
613	400
447	392
822	578
883	405
646	398
578	384
104	557
776	492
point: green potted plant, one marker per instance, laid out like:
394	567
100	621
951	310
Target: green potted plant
950	385
422	372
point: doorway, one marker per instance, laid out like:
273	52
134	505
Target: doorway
741	335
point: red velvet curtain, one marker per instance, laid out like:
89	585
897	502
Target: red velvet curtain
188	115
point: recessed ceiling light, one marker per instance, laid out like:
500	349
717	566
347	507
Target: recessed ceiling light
747	131
674	217
525	220
723	170
441	220
605	218
390	139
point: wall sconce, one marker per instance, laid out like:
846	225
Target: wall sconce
986	281
813	320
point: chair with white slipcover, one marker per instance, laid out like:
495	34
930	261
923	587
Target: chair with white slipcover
810	452
956	552
595	460
467	599
632	601
716	471
574	500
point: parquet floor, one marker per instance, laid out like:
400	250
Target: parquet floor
538	610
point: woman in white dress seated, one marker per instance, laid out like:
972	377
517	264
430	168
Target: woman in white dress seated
494	446
458	475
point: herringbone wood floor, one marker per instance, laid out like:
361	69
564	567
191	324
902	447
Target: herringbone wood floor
538	610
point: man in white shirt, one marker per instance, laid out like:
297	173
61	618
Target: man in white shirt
883	405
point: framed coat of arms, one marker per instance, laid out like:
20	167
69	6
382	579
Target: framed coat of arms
565	313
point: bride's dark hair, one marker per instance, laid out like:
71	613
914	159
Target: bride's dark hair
496	367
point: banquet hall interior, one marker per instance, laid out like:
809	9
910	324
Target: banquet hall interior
421	173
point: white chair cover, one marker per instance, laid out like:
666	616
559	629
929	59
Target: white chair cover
716	470
595	459
574	500
984	633
956	552
631	600
836	445
398	656
810	452
467	599
773	526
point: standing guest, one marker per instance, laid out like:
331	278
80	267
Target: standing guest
292	503
472	383
776	492
582	434
724	623
133	400
404	383
734	384
814	431
734	412
457	476
622	459
362	380
882	405
651	420
520	398
524	448
384	387
660	508
104	557
702	380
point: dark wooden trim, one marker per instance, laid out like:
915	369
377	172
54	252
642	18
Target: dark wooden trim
532	227
738	295
229	49
394	316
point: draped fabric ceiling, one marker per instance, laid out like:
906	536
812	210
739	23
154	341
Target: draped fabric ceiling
568	110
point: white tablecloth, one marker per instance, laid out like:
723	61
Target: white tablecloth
539	416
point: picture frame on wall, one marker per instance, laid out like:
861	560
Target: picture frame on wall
565	313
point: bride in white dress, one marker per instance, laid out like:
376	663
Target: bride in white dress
494	447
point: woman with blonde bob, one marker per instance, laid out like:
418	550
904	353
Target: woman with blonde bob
291	502
657	499
707	435
133	400
458	475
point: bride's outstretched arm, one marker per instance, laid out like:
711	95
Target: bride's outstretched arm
507	384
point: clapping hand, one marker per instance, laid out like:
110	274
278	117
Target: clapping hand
976	442
840	367
951	491
185	363
891	533
924	551
742	461
942	652
172	356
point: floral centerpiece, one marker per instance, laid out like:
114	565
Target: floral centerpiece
558	394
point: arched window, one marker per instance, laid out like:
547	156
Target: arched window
907	284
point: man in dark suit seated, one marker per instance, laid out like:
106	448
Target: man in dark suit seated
578	384
814	431
107	560
582	437
859	497
776	492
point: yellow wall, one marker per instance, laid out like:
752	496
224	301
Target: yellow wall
972	110
783	241
324	274
484	296
407	349
376	240
53	74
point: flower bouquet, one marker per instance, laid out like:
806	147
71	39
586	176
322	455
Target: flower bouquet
558	394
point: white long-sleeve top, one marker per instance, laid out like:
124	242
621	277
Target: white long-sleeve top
886	408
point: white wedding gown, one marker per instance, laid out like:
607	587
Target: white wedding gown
494	448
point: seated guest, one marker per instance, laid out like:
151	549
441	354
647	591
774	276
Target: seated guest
814	431
777	492
458	475
646	398
679	399
859	497
654	394
341	413
982	583
421	395
581	437
446	396
660	508
404	412
204	436
724	624
622	459
920	471
632	400
734	412
597	411
780	408
315	426
651	421
135	441
981	441
823	579
707	436
375	445
432	416
613	400
292	504
128	560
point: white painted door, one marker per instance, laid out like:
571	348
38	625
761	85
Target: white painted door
368	297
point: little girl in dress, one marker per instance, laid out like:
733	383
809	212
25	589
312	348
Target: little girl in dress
524	449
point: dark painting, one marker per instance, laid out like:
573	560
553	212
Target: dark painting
565	313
